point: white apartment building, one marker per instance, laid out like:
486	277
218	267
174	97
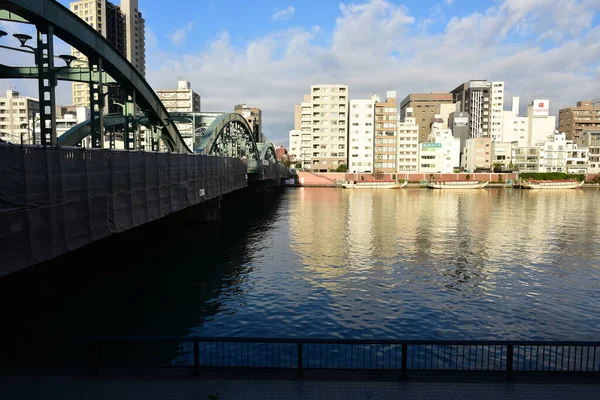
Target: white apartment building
408	143
514	127
361	135
497	110
329	124
123	27
577	159
441	154
300	148
541	125
558	154
553	153
502	153
477	154
17	115
527	158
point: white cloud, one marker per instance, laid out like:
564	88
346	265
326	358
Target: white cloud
273	72
282	15
178	37
538	49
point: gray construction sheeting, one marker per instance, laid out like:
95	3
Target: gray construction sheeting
56	200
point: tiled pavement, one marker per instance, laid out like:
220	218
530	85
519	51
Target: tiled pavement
81	387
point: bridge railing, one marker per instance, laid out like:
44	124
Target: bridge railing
399	356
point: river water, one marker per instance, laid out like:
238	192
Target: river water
331	263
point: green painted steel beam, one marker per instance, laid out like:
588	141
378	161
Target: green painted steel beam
74	74
6	15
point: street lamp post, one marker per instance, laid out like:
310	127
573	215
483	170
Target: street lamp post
47	77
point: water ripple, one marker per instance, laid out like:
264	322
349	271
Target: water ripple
423	264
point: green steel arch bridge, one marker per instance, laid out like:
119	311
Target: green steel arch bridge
58	196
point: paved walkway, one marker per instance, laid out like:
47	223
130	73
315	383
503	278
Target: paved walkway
183	388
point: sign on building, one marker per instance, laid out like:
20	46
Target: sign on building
541	108
430	146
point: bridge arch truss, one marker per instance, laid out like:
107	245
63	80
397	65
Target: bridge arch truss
52	19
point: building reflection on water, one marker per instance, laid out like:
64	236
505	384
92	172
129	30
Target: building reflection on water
496	247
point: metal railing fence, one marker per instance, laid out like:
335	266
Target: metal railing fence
301	355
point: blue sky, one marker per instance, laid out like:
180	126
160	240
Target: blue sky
267	53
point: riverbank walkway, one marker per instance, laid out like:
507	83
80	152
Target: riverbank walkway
177	385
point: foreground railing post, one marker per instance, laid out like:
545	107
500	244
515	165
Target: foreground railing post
95	357
300	368
404	374
196	358
510	348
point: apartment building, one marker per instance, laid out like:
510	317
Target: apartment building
577	159
590	139
361	135
553	153
329	124
182	100
253	116
424	106
483	101
575	120
301	151
17	115
527	158
300	148
408	143
386	131
477	154
497	110
502	154
123	27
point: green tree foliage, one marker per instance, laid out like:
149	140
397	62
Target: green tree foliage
342	168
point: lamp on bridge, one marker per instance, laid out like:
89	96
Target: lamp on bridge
68	59
23	38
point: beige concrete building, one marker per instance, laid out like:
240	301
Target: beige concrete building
425	106
329	124
477	154
182	99
386	134
253	116
123	27
301	136
575	120
17	116
591	140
